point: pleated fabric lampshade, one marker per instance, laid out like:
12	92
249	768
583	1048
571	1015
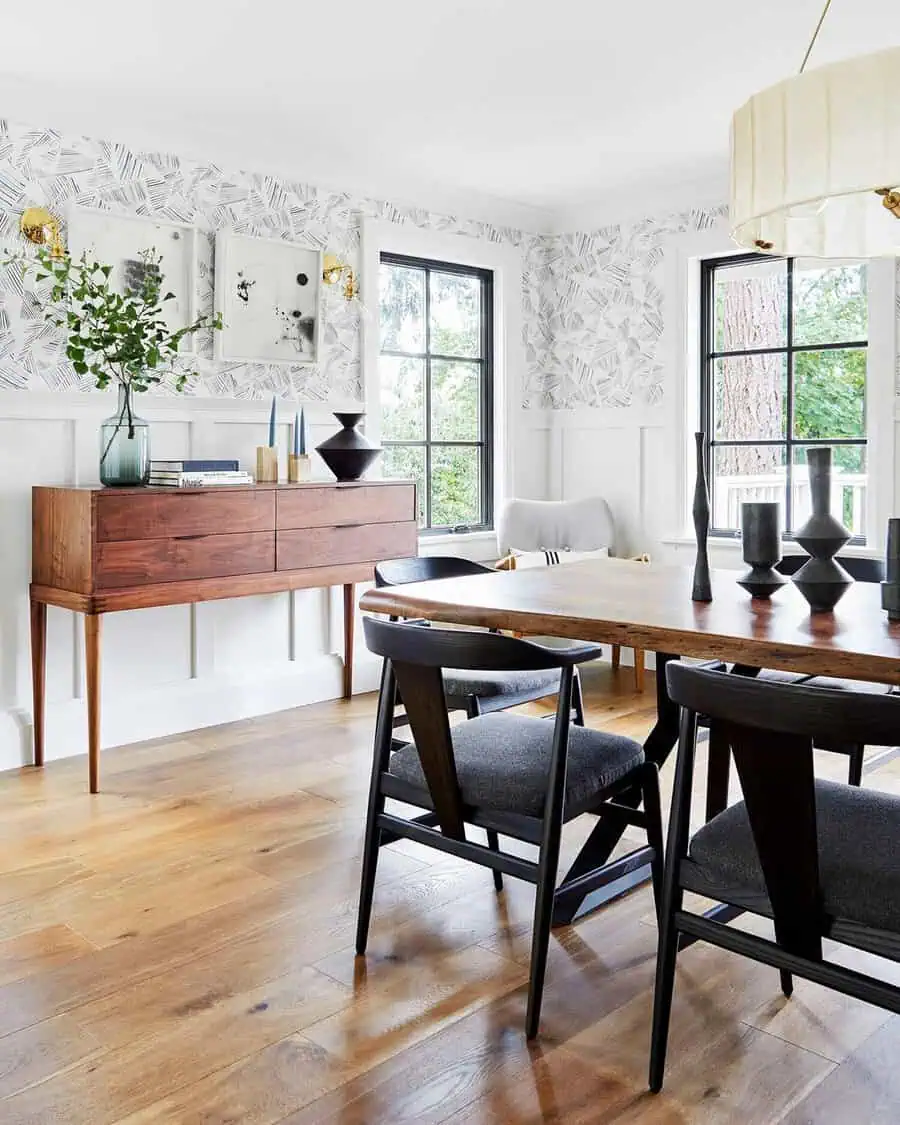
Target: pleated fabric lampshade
815	162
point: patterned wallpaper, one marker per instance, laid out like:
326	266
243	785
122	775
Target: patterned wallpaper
41	166
602	310
592	302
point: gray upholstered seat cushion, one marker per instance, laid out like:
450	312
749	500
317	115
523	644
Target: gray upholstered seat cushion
487	685
859	854
831	682
502	763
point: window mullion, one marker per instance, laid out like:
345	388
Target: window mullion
789	408
428	488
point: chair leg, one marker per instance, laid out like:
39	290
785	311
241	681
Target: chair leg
662	996
577	700
653	813
787	982
856	765
540	940
616	656
473	707
383	742
639	669
367	881
549	859
494	844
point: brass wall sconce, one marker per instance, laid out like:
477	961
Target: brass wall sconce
42	228
335	271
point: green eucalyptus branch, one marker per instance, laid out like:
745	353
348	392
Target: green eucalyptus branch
110	335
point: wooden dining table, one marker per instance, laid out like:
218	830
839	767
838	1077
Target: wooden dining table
616	601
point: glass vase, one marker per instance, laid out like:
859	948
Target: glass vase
124	445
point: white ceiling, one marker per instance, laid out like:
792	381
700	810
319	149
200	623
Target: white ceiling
526	111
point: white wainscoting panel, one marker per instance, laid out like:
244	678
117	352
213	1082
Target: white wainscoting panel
607	453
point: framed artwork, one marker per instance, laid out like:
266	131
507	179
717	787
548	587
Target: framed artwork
119	240
268	292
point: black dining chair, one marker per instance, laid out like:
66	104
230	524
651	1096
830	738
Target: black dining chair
821	859
862	570
476	692
510	774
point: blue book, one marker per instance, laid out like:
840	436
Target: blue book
207	465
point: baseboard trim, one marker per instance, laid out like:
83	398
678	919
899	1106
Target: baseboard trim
177	708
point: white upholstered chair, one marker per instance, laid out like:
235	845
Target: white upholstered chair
562	525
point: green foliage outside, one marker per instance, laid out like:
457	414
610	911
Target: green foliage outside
455	393
831	305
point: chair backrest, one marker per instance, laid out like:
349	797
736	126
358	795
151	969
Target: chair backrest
555	525
398	572
414	656
862	570
771	728
415	642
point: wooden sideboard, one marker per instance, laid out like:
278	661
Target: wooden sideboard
99	550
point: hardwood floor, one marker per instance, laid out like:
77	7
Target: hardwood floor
178	951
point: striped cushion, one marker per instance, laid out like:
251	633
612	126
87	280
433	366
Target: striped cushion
527	560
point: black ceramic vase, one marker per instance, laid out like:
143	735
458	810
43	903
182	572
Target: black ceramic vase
890	588
761	541
822	581
348	453
701	590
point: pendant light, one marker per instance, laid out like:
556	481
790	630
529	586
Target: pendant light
815	161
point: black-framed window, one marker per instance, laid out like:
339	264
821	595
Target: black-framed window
784	348
436	387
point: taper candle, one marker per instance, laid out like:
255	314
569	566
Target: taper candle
272	425
302	450
297	434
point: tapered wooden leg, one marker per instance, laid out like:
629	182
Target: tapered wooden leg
616	656
639	669
38	674
349	618
92	632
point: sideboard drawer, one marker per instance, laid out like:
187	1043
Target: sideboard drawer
140	562
335	546
347	504
164	515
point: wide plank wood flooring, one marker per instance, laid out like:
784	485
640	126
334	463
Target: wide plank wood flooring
178	951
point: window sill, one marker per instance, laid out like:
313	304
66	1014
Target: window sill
480	546
725	543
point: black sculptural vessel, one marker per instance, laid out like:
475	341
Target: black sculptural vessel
701	590
890	588
822	581
348	453
761	540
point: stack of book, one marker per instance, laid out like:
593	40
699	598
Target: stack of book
196	473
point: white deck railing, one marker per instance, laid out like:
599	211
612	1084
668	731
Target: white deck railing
848	497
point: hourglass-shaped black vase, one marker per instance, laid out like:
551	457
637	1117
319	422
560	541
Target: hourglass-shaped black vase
822	581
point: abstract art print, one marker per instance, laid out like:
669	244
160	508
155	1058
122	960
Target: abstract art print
267	291
121	241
